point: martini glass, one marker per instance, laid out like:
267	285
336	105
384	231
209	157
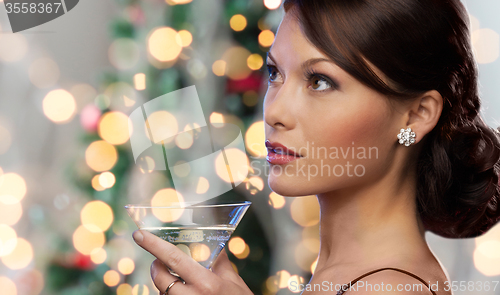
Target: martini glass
199	230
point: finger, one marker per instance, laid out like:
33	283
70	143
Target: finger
162	278
181	263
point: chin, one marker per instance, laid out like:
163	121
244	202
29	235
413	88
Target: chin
290	186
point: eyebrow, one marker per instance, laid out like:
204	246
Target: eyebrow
308	63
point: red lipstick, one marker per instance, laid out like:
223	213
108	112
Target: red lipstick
278	154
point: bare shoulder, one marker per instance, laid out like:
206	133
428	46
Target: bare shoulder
389	282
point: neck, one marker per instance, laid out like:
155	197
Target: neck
375	224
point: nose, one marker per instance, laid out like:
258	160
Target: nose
279	107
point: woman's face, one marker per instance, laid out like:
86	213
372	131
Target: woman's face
344	131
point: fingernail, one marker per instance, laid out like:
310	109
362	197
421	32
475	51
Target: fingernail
138	237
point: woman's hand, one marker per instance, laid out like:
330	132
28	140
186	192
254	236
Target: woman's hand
198	280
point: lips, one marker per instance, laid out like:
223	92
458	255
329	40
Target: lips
278	154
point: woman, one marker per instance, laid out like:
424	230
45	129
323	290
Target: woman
352	74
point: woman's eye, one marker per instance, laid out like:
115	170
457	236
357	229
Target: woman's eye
273	73
318	83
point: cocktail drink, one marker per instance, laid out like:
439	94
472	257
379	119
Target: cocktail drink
199	230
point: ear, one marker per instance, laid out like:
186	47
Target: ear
424	113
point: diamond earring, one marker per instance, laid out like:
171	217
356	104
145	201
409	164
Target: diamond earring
406	137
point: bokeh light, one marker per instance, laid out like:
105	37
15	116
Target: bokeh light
96	216
85	241
163	126
486	44
276	201
107	179
487	258
12	185
7	285
114	127
219	68
254	185
10	210
255	138
140	81
101	156
182	168
8	240
167	197
21	257
111	278
237	161
236	62
272	4
98	255
59	106
266	38
140	290
5	140
126	266
202	186
305	210
283	277
313	265
184	38
238	22
44	72
184	140
255	61
30	282
199	252
124	289
295	280
162	44
96	184
124	53
236	245
216	118
13	47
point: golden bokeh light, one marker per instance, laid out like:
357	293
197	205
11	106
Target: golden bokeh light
255	138
13	47
295	280
124	289
96	216
101	156
107	179
162	44
255	61
283	277
21	257
313	265
126	266
163	198
8	286
163	126
10	210
96	184
12	185
44	72
59	106
272	284
8	240
276	201
487	258
140	81
216	118
147	164
486	45
237	168
5	140
114	127
238	22
184	38
202	186
304	257
236	245
244	254
272	4
255	184
219	68
140	290
98	255
184	140
85	241
111	278
178	2
236	62
29	281
199	252
266	38
305	210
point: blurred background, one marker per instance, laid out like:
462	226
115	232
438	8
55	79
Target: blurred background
66	168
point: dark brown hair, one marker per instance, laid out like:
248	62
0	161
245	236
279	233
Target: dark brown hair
421	45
